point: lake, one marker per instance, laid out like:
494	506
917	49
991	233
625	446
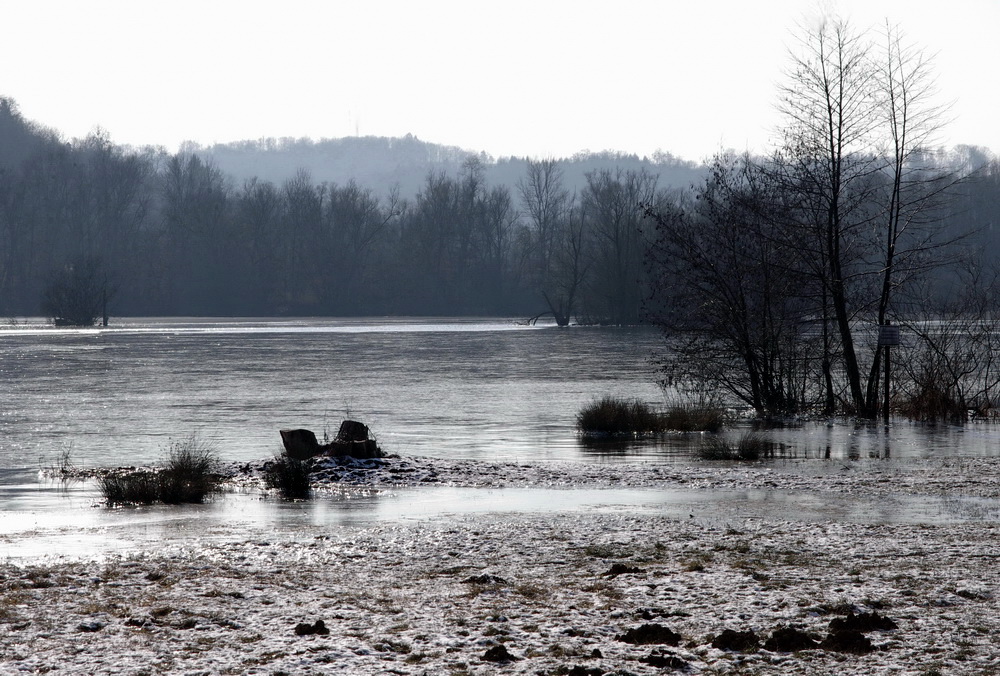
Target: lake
460	388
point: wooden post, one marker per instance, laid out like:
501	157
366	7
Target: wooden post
888	335
885	406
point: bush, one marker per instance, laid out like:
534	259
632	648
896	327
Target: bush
77	293
190	476
615	416
934	400
751	445
290	476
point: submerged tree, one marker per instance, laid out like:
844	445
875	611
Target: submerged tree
78	293
729	293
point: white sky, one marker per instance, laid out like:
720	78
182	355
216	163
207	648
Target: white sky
513	77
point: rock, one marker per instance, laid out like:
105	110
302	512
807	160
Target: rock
91	626
352	430
736	641
650	634
621	569
664	659
484	579
789	640
300	444
305	629
352	449
352	441
863	622
499	654
847	641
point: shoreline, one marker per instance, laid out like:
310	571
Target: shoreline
438	595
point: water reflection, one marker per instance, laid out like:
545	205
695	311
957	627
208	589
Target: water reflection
855	440
819	440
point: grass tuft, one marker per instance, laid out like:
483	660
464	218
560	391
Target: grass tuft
617	416
133	488
190	475
290	476
694	418
191	472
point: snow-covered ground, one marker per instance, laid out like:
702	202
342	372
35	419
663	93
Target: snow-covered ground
560	591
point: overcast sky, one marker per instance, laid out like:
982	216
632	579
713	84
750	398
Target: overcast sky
514	77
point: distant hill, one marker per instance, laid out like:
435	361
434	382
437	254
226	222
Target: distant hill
380	163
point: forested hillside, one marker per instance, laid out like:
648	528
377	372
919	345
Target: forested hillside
360	226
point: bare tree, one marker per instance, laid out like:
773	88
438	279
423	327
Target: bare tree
828	233
613	203
730	295
77	294
831	121
914	186
545	200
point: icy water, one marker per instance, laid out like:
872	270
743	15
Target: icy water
474	389
486	390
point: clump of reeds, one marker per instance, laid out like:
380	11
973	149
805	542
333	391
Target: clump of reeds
616	416
751	445
290	476
189	476
132	488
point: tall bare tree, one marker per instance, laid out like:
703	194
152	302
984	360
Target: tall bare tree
545	201
857	126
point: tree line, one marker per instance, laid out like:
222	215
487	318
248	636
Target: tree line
140	232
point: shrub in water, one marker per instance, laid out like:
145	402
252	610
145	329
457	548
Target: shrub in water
933	400
290	476
751	445
190	476
612	415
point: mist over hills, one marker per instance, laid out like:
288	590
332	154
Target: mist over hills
380	163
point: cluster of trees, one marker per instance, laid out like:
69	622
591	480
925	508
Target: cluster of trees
773	278
88	224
